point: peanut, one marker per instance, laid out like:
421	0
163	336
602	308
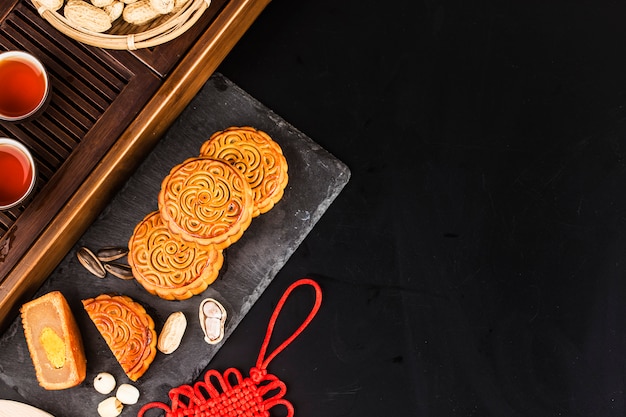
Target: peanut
87	16
172	333
53	5
101	3
178	4
162	6
140	13
114	10
212	319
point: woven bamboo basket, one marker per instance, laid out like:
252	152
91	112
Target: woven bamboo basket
126	36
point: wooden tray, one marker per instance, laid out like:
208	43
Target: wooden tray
108	109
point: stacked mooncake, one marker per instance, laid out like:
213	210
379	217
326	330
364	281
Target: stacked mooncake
206	203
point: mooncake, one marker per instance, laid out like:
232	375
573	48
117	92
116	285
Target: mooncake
259	158
54	342
168	266
127	329
206	201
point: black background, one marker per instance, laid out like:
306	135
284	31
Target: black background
474	264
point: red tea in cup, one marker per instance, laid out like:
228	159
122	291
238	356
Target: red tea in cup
23	85
17	173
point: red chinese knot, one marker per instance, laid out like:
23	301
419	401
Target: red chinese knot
230	394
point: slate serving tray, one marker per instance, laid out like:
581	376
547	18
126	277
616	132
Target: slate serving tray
315	179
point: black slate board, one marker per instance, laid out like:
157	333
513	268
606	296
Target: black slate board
315	180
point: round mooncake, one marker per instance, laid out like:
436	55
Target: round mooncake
167	266
206	201
259	158
127	329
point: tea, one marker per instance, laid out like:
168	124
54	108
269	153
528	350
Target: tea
16	174
22	86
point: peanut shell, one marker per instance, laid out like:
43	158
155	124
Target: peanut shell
212	315
162	6
101	3
87	16
53	5
140	13
114	10
179	4
172	333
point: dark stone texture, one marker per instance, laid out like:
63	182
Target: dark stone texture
315	179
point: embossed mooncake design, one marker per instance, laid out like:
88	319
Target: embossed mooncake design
258	157
167	266
127	329
206	201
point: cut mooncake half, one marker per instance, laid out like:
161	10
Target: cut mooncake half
168	266
127	329
54	342
257	156
206	201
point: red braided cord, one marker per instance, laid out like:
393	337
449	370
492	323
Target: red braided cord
246	397
262	363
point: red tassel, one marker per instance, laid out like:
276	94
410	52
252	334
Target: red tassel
253	396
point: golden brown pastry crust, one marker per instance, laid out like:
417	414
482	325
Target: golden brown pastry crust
259	158
127	329
167	266
206	201
51	314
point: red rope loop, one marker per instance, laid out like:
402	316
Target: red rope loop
262	362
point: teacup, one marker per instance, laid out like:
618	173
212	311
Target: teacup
17	171
24	86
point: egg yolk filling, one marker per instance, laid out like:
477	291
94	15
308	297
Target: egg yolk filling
54	346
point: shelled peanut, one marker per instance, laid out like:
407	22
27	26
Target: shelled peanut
99	15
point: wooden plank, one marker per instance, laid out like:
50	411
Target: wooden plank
6	7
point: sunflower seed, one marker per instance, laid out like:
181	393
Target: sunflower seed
121	271
111	253
91	262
